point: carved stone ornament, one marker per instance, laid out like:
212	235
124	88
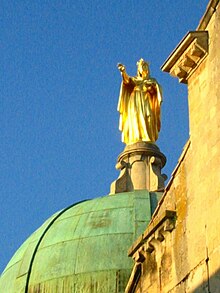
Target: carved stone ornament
150	241
140	167
187	56
154	235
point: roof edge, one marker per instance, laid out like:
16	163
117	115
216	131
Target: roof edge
210	10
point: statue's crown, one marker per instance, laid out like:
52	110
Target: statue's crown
142	62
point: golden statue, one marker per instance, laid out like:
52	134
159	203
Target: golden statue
139	105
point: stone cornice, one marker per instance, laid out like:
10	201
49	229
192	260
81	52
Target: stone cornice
147	243
187	56
155	232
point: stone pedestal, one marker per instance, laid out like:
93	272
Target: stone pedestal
140	167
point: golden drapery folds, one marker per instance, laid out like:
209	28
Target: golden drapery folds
139	105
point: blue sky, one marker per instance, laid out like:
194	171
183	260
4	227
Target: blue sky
59	137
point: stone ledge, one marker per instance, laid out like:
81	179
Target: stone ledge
154	232
187	56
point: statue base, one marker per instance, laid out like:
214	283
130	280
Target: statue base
140	167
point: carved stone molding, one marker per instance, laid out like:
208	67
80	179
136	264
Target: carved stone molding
153	236
134	278
148	242
140	167
187	56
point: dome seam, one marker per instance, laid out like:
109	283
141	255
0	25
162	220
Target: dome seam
40	240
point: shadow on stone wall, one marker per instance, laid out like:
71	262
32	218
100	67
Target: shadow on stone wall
210	286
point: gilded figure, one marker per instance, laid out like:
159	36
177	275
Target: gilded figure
139	105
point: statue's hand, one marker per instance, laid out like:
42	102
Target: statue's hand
121	67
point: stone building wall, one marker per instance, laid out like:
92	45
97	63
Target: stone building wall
203	163
182	253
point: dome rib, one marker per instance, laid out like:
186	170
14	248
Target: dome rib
41	238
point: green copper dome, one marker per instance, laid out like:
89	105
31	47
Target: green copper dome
82	248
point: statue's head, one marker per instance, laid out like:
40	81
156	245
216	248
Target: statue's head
143	69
